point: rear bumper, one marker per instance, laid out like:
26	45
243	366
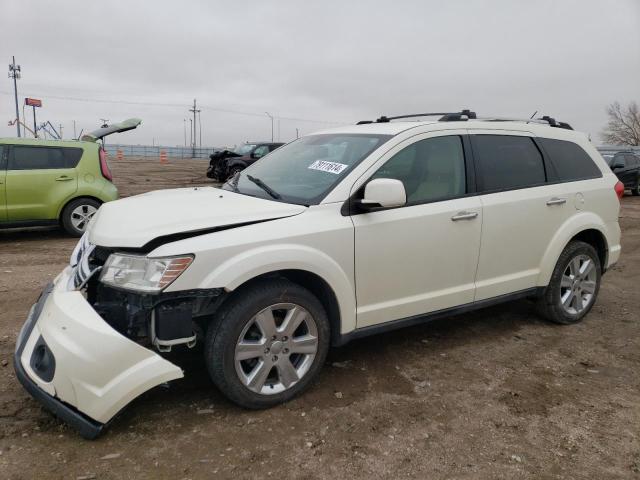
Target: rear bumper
93	371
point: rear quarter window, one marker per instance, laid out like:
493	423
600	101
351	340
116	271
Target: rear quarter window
27	157
569	160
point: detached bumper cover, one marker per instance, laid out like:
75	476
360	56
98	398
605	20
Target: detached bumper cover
98	371
86	426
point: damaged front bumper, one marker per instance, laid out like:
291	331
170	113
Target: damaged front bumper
78	366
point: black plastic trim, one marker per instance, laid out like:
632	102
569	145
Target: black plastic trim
85	426
343	339
29	223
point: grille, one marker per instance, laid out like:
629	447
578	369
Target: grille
81	268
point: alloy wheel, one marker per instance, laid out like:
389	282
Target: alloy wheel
276	348
81	215
578	284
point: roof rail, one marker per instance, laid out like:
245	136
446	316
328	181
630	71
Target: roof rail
546	120
469	115
445	117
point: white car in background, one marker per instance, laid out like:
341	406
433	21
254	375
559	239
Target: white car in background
345	233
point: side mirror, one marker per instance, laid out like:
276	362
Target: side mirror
383	193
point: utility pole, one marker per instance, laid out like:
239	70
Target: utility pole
193	143
14	72
271	117
190	132
184	125
297	133
60	130
74	130
200	126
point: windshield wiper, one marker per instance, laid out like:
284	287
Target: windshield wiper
264	187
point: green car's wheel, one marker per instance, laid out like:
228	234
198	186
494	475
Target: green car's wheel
77	214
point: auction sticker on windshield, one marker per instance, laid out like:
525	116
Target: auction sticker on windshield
331	167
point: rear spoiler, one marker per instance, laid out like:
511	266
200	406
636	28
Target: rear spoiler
129	124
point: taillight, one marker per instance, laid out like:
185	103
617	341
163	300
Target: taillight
104	165
619	188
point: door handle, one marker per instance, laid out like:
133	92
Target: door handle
63	178
556	201
464	216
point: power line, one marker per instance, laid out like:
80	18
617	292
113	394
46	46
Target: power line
181	105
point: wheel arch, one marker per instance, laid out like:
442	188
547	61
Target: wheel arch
68	201
586	227
312	282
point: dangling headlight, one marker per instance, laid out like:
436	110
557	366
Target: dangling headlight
141	273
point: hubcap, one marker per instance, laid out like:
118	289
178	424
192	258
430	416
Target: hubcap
578	284
276	348
81	215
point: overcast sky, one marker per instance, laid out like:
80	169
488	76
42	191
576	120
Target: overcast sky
313	63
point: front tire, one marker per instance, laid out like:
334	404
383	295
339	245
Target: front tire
76	215
574	285
268	344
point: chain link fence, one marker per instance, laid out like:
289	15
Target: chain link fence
153	151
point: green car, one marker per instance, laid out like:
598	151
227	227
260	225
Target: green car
55	182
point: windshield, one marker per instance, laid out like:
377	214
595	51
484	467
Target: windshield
245	148
305	170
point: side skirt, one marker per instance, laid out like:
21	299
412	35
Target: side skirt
29	223
424	318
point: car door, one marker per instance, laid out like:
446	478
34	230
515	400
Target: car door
38	180
3	175
620	166
421	257
632	171
521	210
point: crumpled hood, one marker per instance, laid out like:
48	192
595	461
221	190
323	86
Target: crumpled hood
132	222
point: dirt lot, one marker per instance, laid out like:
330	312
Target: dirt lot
493	394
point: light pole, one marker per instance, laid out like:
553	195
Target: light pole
184	124
14	72
271	117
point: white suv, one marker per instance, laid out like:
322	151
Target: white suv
337	235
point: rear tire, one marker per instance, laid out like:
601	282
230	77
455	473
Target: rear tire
76	215
636	190
268	344
574	285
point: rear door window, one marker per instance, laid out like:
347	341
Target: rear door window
27	157
570	160
632	160
507	162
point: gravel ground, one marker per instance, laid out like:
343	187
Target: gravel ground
493	394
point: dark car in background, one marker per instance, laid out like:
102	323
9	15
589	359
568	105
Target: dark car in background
626	166
224	164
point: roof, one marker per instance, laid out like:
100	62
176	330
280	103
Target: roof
396	127
43	142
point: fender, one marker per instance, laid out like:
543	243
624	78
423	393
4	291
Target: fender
569	229
258	261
